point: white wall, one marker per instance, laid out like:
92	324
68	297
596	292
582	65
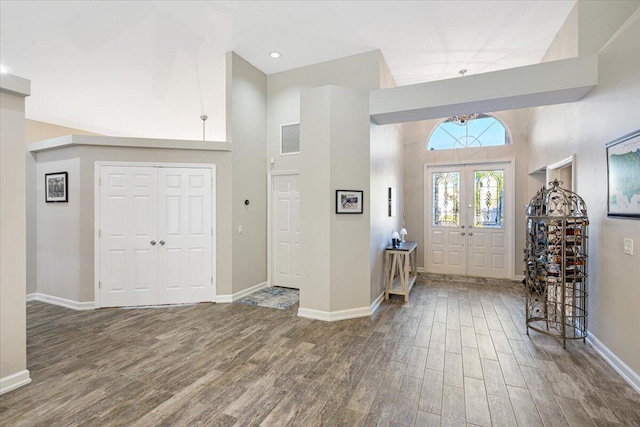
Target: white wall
246	130
417	155
65	231
334	263
13	340
608	112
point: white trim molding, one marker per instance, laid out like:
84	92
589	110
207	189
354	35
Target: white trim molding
14	381
631	377
332	316
375	304
62	302
233	297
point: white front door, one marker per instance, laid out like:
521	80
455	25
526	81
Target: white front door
286	231
185	235
468	222
156	235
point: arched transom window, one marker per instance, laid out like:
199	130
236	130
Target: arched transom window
484	131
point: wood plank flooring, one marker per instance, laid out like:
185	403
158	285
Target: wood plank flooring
456	354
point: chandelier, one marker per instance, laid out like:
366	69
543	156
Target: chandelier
464	119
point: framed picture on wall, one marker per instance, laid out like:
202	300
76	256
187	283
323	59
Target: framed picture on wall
349	202
55	187
623	176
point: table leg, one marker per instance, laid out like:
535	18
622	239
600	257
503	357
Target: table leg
405	281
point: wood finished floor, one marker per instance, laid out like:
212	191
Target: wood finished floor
456	354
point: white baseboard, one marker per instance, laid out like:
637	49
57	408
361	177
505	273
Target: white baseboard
421	270
332	316
233	297
62	302
14	381
614	361
518	277
377	302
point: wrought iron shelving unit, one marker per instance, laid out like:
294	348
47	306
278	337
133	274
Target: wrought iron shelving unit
556	264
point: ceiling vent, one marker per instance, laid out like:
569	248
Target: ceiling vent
290	138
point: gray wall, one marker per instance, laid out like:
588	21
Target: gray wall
65	231
387	170
246	130
334	259
357	71
13	359
608	112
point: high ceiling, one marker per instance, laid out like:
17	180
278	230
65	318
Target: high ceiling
151	68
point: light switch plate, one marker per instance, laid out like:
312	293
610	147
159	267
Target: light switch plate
627	246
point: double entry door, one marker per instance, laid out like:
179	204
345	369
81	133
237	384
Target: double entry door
155	235
468	219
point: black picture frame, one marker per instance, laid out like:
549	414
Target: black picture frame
56	187
349	201
623	176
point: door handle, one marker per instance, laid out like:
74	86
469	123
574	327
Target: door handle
462	234
462	226
161	242
470	234
153	242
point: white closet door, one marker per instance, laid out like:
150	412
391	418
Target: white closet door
184	235
286	244
128	227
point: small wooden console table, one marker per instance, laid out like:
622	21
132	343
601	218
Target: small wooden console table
400	269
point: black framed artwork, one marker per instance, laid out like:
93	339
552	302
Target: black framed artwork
55	187
349	201
623	176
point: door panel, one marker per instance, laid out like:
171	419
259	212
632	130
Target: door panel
156	235
185	232
468	229
286	231
128	264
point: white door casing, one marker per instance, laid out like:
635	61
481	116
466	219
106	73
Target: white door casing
470	246
155	235
286	231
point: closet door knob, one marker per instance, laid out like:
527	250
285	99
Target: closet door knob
470	234
462	234
161	242
153	242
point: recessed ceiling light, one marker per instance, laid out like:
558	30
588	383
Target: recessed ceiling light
4	69
274	54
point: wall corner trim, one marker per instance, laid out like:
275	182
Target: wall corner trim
375	304
14	381
62	302
631	377
225	299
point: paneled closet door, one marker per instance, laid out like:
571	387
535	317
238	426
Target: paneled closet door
184	235
128	230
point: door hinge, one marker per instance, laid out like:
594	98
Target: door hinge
99	233
99	182
212	231
212	280
99	285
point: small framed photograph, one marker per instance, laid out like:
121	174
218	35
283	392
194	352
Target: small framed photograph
349	201
623	176
55	185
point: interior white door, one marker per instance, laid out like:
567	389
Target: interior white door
468	226
185	235
286	231
156	235
128	230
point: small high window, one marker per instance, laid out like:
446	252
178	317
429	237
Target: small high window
484	131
